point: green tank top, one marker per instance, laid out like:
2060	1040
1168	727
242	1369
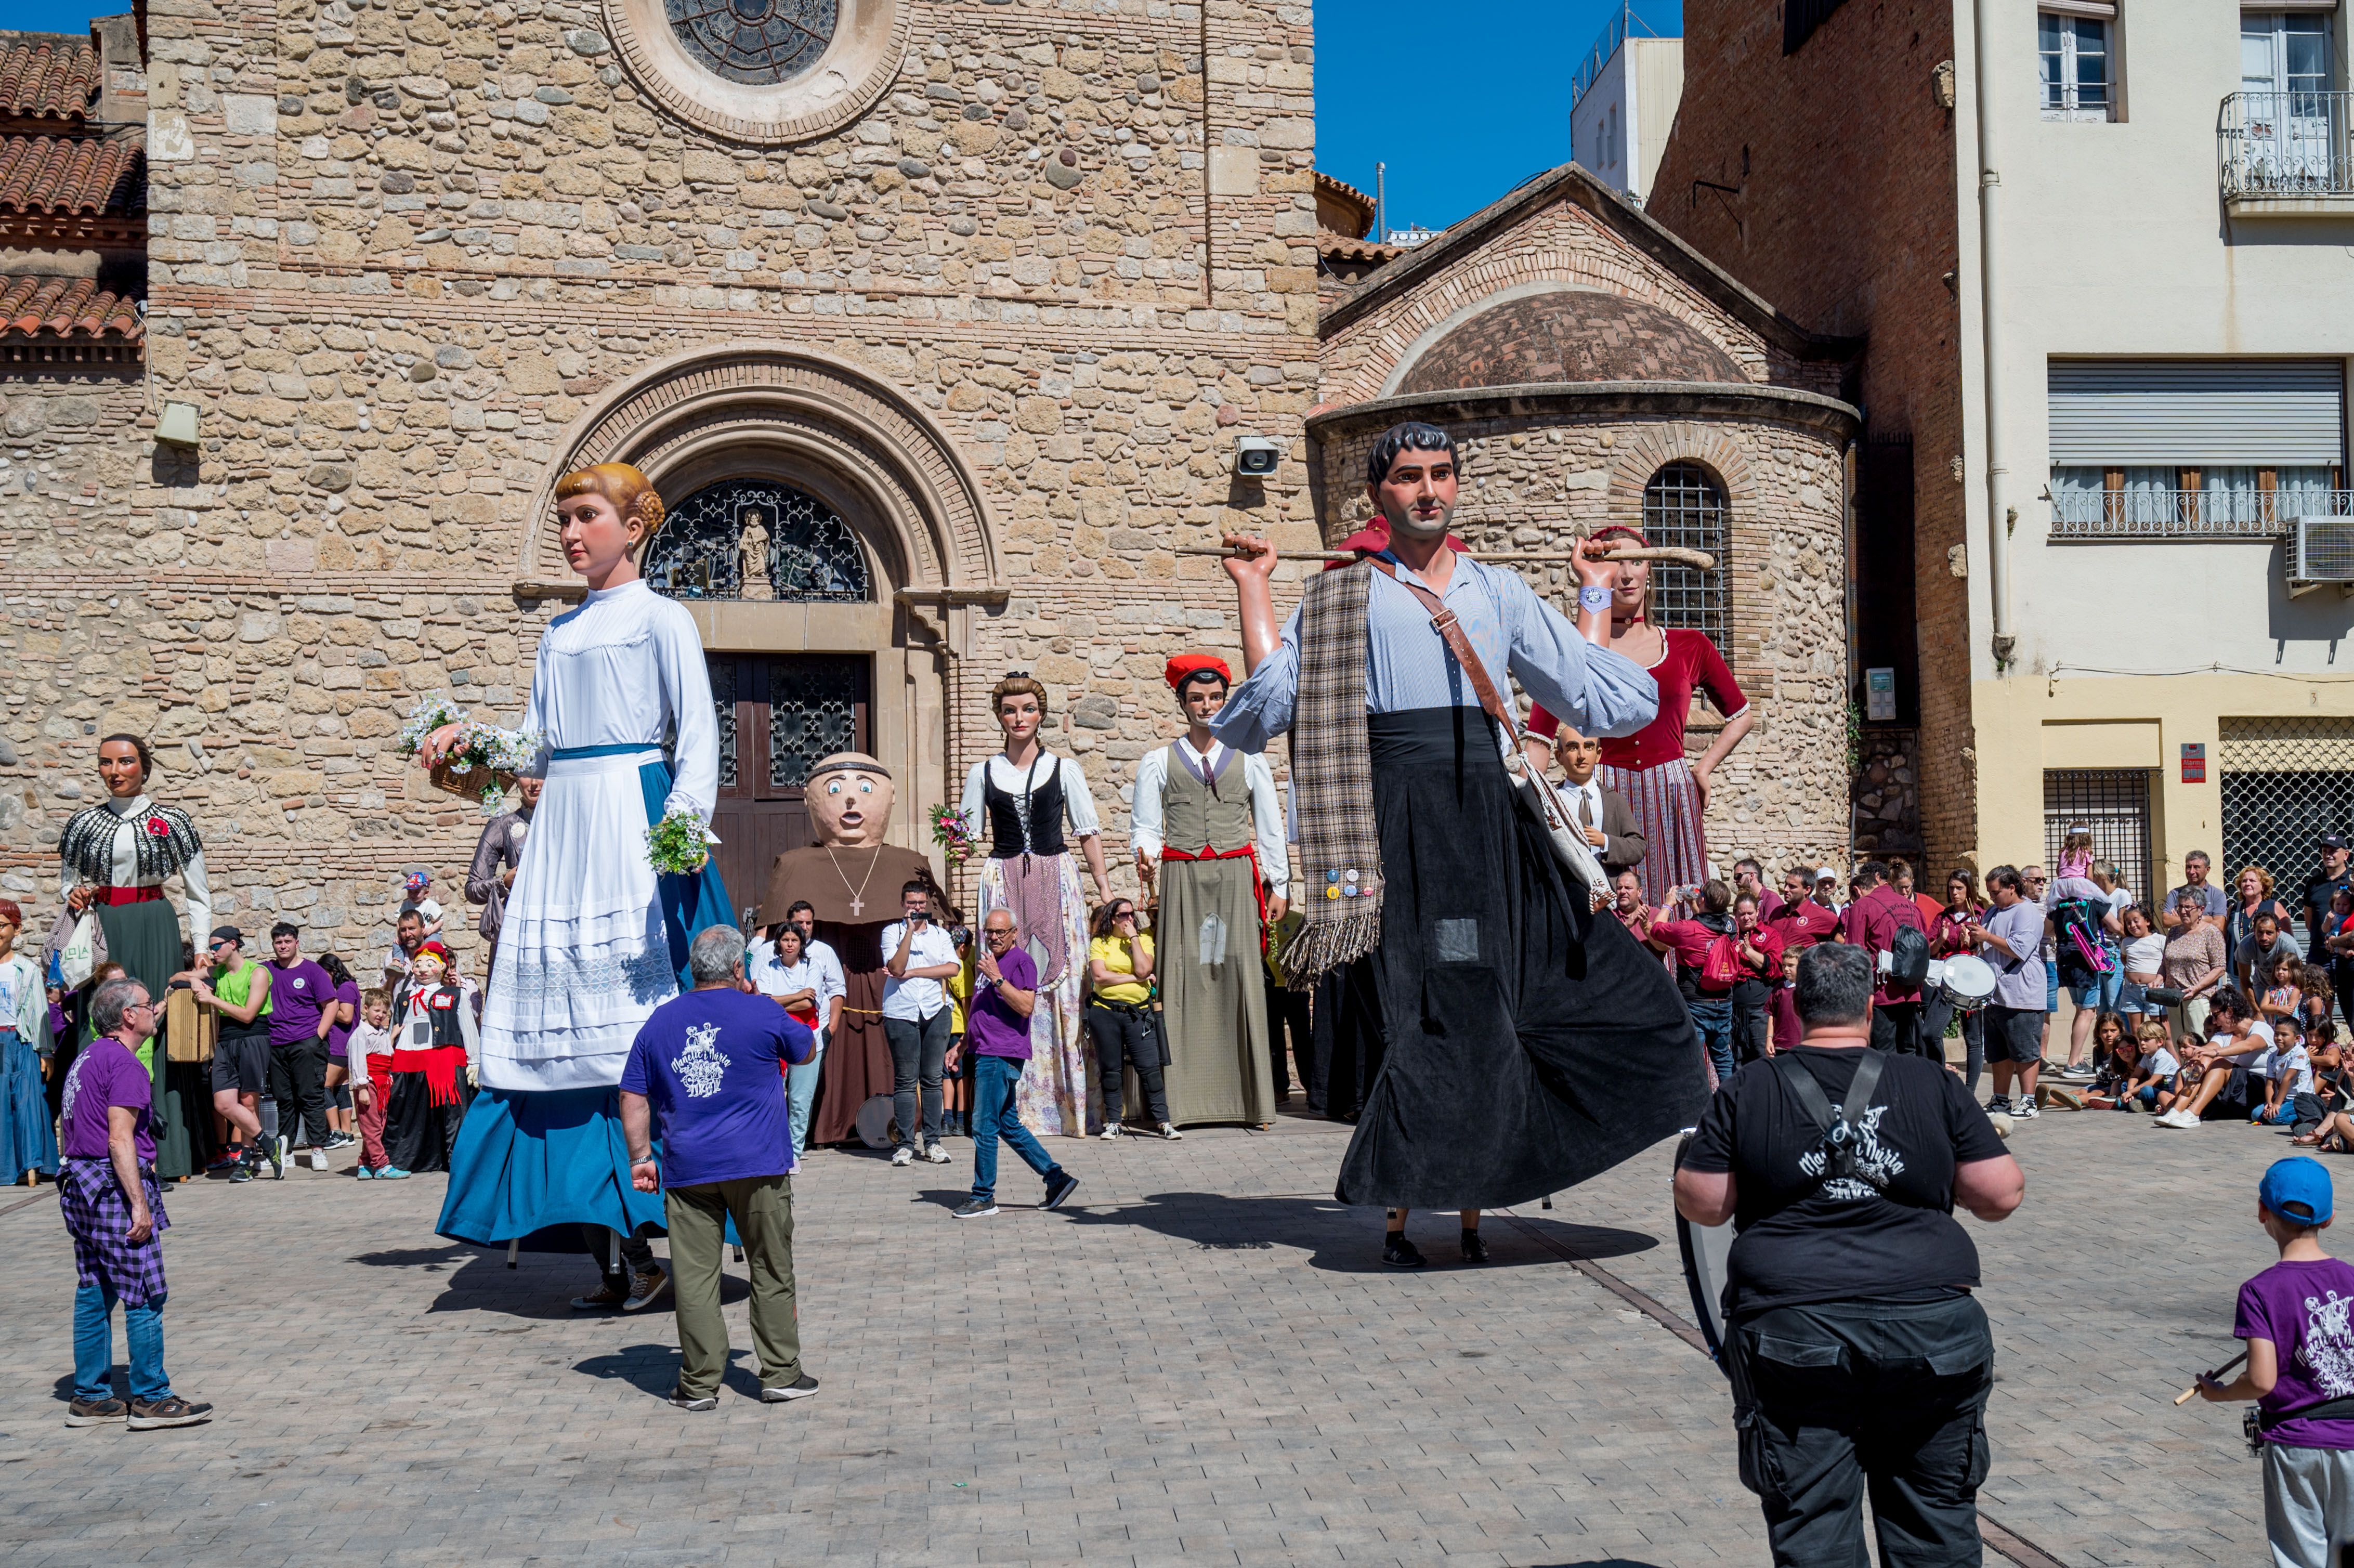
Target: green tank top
237	990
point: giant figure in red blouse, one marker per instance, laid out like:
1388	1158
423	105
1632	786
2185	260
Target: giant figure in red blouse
1668	792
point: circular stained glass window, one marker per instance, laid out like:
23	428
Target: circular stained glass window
761	42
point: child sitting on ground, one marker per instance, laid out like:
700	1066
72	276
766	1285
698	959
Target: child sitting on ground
2288	1073
2293	1319
2152	1080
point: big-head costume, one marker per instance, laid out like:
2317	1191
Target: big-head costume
850	880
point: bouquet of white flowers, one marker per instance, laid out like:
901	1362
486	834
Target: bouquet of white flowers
483	763
675	845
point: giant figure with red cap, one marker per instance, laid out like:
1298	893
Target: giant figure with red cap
1206	822
1518	1043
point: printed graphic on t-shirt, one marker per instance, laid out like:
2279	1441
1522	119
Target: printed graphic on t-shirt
2327	1349
700	1067
1884	1163
73	1088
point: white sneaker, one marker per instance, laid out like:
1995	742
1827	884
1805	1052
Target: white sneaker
318	1159
1169	1130
2024	1111
904	1155
938	1154
1110	1131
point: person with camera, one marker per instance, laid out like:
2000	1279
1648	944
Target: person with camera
1857	1354
919	957
1120	969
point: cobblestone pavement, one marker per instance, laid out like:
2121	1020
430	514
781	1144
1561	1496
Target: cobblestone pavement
1199	1359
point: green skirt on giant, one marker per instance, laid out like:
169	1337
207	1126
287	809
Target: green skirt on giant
145	938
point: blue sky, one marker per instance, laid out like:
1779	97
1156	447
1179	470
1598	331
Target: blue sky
1463	105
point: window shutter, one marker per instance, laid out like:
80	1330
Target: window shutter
2208	412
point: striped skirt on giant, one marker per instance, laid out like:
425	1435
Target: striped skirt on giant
1667	805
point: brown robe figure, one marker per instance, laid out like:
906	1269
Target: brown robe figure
850	879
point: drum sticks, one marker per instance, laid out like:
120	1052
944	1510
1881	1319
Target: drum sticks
2186	1396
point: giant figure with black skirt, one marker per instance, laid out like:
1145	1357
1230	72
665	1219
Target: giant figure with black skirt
1521	1044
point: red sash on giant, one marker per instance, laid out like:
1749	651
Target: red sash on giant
441	1064
1249	852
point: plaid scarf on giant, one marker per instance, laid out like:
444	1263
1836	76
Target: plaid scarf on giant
1332	781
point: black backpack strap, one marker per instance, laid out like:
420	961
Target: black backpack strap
1807	1092
1818	1105
2327	1410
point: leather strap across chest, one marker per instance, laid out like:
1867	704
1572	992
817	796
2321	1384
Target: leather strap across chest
1443	621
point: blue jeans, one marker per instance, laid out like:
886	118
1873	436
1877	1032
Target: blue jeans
1712	1021
143	1331
801	1093
994	1116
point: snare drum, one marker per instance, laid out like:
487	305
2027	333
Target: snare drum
1968	983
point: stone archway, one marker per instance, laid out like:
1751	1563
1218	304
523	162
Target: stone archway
876	460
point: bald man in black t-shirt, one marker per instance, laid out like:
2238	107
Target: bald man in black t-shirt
1856	1350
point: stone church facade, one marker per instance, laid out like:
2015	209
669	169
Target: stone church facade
934	323
961	306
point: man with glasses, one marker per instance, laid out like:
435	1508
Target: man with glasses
2033	884
238	990
114	1212
920	958
997	1033
2217	902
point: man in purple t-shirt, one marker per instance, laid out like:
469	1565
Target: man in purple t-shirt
997	1036
302	1011
114	1213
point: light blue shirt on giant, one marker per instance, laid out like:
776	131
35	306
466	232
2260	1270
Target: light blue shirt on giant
1408	664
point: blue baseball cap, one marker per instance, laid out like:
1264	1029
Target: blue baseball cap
2300	1180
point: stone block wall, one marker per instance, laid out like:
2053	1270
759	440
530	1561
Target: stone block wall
405	254
1535	480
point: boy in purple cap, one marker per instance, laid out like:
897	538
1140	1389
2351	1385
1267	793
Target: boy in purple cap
2294	1319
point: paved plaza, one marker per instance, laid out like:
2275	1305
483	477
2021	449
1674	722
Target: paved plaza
1200	1360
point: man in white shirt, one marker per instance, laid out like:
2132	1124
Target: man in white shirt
918	958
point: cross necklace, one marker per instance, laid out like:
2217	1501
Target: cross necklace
857	894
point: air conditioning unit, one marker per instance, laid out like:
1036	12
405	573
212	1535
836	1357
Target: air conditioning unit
2321	551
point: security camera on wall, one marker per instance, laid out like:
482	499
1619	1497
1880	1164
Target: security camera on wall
1256	456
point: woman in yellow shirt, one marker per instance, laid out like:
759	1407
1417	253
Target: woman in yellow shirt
1120	966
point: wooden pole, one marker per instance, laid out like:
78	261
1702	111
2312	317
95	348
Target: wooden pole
1699	560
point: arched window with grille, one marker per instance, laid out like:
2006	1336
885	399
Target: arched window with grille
1684	507
757	539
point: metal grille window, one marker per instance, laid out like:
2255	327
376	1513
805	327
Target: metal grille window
2287	781
814	706
753	538
1683	505
2114	803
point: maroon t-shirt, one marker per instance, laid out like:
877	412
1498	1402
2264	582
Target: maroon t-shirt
1872	924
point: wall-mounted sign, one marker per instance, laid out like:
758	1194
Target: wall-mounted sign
2194	762
1879	696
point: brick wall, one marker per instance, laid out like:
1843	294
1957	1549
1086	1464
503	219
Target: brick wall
1825	182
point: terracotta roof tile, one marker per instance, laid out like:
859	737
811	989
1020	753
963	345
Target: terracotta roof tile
49	174
67	308
1338	247
45	76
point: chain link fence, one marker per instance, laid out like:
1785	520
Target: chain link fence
2286	782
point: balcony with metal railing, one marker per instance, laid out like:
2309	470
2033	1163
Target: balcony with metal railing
2285	153
2189	516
